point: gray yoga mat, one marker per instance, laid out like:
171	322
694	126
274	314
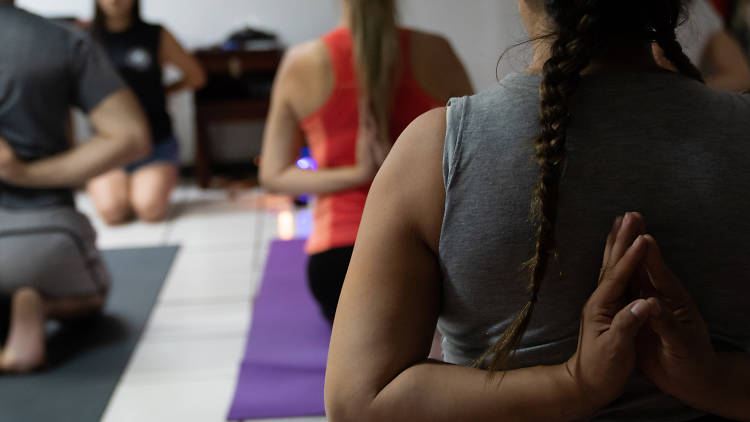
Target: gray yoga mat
87	358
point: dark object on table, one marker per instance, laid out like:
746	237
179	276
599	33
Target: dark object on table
250	39
238	89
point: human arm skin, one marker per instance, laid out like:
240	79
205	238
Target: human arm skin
377	364
731	398
121	136
727	65
432	52
283	138
171	52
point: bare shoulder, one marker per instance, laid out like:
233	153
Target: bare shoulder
169	46
429	41
426	131
305	76
305	56
420	188
431	51
166	33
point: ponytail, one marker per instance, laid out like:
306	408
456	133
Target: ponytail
376	55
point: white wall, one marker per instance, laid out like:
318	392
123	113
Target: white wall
479	29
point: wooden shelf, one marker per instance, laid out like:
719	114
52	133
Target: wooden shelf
222	104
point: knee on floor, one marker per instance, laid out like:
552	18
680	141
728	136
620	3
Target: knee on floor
115	212
151	208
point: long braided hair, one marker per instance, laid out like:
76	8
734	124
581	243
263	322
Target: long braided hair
583	30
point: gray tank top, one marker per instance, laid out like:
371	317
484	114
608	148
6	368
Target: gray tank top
657	143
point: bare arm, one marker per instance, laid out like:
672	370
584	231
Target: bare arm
732	397
122	136
283	138
461	84
432	52
377	364
728	67
171	52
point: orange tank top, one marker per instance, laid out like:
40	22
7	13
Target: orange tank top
331	132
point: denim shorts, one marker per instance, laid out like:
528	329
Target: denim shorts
165	151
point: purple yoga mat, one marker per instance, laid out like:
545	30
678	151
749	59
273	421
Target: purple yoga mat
283	370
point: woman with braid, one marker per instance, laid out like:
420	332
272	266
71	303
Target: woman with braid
350	94
536	327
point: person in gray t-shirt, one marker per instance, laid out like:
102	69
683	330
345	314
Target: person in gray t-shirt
49	265
594	128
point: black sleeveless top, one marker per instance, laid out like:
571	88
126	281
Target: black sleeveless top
135	54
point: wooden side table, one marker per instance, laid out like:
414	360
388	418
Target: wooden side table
238	89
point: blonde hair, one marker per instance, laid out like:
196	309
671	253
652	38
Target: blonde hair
376	56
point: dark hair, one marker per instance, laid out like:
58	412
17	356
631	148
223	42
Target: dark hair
582	30
99	24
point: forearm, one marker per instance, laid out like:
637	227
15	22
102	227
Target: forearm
731	398
439	392
75	167
294	181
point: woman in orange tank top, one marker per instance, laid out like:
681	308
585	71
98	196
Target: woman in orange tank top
349	95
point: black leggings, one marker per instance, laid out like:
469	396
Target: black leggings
325	276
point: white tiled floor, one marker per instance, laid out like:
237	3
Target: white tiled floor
186	363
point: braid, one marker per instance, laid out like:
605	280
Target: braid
571	54
585	29
667	40
666	15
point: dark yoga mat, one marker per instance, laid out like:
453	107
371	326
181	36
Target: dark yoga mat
86	359
284	367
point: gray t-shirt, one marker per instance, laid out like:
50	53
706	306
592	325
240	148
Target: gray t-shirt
45	68
658	143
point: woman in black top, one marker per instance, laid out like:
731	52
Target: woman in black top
139	50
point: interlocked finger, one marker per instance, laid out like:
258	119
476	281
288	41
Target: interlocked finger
633	225
608	247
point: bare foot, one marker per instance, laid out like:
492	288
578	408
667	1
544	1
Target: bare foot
24	350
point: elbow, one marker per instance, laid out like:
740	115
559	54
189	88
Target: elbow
338	409
200	81
269	186
344	404
268	180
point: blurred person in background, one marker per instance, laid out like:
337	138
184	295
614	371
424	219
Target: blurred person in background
350	94
139	51
50	267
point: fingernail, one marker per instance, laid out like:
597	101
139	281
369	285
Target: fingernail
640	309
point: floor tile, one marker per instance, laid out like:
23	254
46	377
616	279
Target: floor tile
186	364
185	359
211	274
201	400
